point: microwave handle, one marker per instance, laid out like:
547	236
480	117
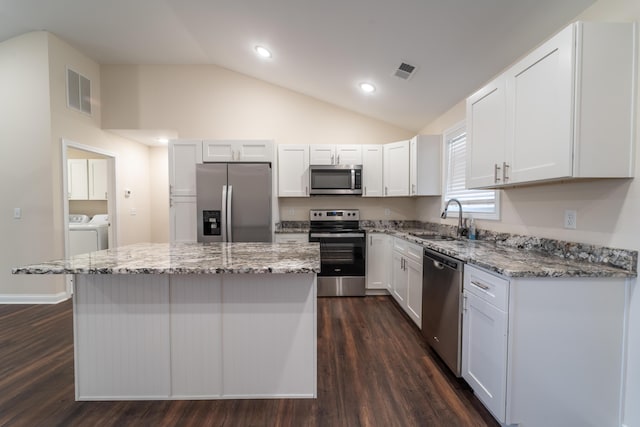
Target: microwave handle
353	179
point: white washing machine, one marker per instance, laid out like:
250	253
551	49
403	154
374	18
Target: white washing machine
88	235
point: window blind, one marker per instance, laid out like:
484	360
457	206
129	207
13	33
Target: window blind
478	201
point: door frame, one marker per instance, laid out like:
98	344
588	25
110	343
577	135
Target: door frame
111	197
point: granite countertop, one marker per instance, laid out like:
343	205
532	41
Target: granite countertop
188	258
519	262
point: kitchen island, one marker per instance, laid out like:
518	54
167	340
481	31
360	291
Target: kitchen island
193	321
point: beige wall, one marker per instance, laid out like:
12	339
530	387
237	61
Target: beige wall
608	210
399	208
206	101
158	183
25	164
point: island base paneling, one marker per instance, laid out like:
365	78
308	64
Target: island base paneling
154	337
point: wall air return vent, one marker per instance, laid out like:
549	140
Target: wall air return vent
78	92
405	71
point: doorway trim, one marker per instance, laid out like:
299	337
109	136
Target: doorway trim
111	197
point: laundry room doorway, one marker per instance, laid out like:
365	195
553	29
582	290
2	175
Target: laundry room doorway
89	202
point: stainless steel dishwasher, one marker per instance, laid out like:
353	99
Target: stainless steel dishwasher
441	299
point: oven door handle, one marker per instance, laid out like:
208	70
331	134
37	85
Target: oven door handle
323	235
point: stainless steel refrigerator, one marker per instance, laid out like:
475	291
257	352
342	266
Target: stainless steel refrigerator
234	202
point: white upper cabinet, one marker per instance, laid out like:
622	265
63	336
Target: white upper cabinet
183	157
98	185
568	111
424	165
237	151
326	154
293	170
87	179
77	179
396	168
372	185
486	133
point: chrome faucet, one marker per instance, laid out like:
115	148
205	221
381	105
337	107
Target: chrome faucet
444	215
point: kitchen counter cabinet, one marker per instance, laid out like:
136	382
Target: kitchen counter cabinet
378	255
193	321
292	237
536	342
406	278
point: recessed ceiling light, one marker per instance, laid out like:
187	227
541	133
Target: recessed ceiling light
263	52
367	87
162	140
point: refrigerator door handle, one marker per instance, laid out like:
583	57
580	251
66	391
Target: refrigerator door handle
229	214
223	215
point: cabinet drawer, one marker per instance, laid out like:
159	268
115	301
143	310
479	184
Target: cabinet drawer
489	287
414	252
399	244
292	238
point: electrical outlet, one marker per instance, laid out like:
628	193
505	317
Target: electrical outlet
292	211
17	213
570	219
387	212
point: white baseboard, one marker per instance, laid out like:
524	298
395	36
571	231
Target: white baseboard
34	298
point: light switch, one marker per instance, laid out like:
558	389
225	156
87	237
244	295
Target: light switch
17	213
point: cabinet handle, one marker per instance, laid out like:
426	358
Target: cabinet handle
338	161
480	285
170	190
496	168
306	190
505	176
332	159
386	191
370	240
413	189
105	195
365	190
464	303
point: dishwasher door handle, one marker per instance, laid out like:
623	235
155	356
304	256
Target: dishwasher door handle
438	265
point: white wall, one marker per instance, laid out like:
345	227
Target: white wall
206	101
608	210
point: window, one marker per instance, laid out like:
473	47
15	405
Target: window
483	204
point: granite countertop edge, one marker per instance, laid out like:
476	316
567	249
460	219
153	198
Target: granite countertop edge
509	261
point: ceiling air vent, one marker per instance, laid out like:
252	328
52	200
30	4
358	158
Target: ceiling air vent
405	71
78	92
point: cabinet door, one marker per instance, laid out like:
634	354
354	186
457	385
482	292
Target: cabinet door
399	279
377	260
425	165
349	154
219	151
254	151
372	171
414	290
540	102
396	169
183	218
98	179
320	154
484	352
293	170
486	135
77	179
183	157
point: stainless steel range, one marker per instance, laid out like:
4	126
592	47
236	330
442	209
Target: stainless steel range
342	251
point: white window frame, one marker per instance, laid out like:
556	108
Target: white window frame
452	212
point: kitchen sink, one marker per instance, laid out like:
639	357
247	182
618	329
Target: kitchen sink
426	236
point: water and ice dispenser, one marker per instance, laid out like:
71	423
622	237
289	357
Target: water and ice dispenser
211	223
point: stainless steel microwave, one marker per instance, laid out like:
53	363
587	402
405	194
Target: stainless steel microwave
335	179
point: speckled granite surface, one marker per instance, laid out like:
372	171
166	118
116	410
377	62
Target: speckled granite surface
285	227
536	258
189	258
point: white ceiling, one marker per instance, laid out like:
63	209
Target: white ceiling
322	48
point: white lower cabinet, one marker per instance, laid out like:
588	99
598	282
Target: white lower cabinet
378	251
292	238
545	350
406	278
183	220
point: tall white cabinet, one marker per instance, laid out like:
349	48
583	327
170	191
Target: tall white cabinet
564	111
183	157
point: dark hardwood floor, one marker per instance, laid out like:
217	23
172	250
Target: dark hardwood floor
373	370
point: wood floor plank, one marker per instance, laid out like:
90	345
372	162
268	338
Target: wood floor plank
374	369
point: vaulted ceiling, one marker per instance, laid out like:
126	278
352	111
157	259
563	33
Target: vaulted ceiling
323	48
